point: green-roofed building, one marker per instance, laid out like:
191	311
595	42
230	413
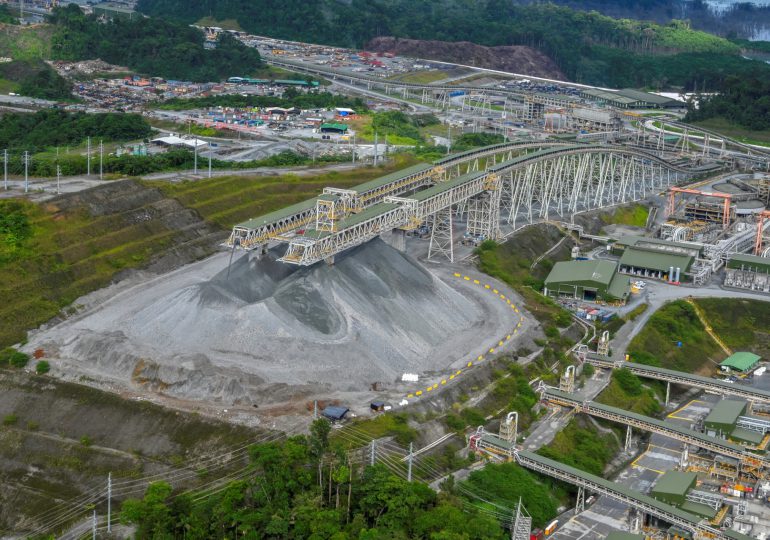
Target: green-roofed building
702	510
333	127
587	280
740	361
721	421
753	263
654	263
618	535
672	487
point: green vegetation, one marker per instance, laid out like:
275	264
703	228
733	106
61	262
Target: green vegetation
634	215
421	77
743	100
507	482
6	17
229	200
35	78
291	98
511	262
10	420
636	312
740	324
587	46
400	128
26	42
657	343
387	425
306	488
467	141
639	399
12	357
48	128
42	367
730	129
583	447
151	46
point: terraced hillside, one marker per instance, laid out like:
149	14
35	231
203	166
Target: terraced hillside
229	200
77	243
59	440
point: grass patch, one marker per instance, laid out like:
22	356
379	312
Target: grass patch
581	445
26	42
674	323
422	77
511	262
629	392
634	215
741	324
382	425
228	200
730	129
226	24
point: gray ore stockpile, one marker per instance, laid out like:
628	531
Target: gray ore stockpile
268	331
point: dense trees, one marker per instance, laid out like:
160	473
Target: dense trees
743	100
151	46
291	98
51	127
307	488
588	47
36	79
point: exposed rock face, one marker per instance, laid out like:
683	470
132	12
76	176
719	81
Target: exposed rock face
512	58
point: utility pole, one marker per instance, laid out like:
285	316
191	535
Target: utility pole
315	409
354	148
372	453
88	157
109	502
409	470
5	169
448	138
375	148
195	153
58	179
101	160
26	171
209	160
93	526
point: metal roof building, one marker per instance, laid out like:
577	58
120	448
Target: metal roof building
636	259
673	486
628	98
753	263
740	361
587	280
724	415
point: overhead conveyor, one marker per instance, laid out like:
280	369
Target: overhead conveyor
700	528
671	376
712	444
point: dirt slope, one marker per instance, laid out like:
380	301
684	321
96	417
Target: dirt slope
517	59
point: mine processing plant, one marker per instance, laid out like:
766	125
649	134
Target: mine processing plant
514	183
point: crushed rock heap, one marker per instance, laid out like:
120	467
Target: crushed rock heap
264	331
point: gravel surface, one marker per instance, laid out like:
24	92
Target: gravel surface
265	332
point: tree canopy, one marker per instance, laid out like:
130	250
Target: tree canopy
151	46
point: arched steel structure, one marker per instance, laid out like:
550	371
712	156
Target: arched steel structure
563	180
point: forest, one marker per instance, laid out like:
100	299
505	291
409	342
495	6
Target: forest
156	47
291	98
309	487
588	47
52	127
743	101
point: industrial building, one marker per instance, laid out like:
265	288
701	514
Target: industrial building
655	258
587	280
619	535
676	488
729	420
741	362
750	272
629	98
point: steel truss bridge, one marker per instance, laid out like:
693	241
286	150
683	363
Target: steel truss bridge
716	386
532	181
751	463
699	527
